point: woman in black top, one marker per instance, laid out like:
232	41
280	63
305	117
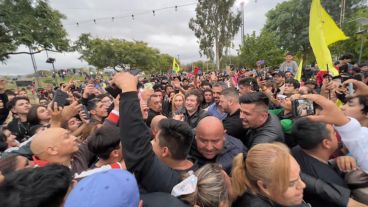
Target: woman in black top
268	177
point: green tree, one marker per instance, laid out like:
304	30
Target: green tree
32	23
215	25
290	21
113	52
354	43
262	47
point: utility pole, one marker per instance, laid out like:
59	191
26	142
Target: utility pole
342	12
34	67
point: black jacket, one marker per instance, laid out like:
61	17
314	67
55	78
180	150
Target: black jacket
152	174
151	115
4	111
195	118
248	199
269	132
232	147
19	129
159	199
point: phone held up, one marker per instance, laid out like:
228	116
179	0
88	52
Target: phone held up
303	107
114	91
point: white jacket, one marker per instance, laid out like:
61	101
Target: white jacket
355	138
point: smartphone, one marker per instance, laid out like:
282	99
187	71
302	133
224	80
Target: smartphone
113	90
85	110
351	89
281	97
61	98
303	107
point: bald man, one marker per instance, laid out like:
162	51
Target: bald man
54	145
154	125
212	145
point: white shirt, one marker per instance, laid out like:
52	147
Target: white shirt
355	138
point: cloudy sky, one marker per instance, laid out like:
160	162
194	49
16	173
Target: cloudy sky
167	31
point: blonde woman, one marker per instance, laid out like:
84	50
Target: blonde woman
269	177
212	188
177	103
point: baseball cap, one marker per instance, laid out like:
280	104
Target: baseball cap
111	188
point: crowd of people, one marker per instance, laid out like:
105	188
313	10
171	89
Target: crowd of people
240	138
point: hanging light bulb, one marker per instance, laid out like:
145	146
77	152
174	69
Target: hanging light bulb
132	16
77	24
176	8
94	21
112	19
153	12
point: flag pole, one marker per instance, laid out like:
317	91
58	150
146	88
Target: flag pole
328	73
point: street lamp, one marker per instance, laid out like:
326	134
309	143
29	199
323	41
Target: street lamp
52	60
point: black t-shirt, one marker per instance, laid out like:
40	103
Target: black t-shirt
315	168
233	125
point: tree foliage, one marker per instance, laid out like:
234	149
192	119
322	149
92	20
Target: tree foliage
262	47
289	20
113	52
32	23
215	25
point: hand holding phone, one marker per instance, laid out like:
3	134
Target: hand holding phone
351	89
303	107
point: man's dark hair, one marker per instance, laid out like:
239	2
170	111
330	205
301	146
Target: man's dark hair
34	187
219	84
363	100
92	103
150	99
309	134
257	98
230	92
295	83
157	87
177	136
207	90
206	83
196	93
249	82
104	141
9	92
168	86
13	102
346	56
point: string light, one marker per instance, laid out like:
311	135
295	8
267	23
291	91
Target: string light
132	16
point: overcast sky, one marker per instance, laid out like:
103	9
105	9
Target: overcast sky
167	31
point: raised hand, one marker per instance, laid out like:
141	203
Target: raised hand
361	89
329	114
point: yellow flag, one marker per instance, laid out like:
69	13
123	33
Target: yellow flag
175	67
298	75
323	31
